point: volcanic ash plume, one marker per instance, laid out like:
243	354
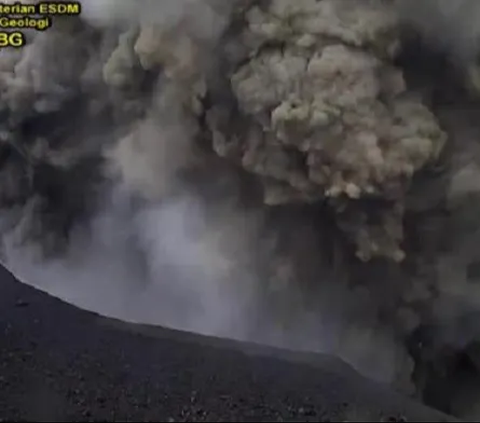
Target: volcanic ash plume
290	172
327	115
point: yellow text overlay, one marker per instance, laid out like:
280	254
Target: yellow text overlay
17	17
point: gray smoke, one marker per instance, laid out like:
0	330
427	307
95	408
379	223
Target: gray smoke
220	166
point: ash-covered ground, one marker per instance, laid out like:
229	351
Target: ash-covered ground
302	173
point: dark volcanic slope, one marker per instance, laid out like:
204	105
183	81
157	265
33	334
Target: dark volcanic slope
59	363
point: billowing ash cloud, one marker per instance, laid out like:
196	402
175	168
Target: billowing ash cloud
297	173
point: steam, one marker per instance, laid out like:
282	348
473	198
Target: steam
145	267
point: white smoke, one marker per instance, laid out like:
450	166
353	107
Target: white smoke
161	265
